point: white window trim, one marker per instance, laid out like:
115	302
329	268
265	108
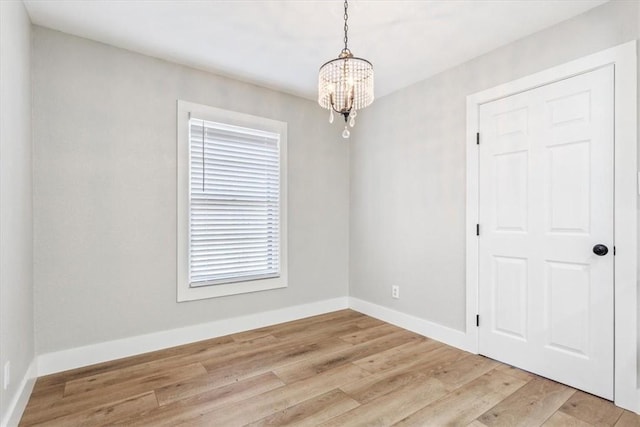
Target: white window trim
184	111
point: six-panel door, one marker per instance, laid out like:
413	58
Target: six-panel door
546	199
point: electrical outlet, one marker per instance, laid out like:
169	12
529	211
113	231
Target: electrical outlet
7	375
395	292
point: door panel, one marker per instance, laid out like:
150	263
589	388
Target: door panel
568	304
510	297
511	191
569	207
546	198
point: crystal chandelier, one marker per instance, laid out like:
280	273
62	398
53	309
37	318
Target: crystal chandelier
345	84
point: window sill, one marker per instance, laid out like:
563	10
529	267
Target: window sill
187	293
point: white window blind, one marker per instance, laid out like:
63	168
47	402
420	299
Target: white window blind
234	203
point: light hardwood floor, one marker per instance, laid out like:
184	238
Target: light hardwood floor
338	369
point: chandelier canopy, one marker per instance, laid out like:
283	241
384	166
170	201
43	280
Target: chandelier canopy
345	84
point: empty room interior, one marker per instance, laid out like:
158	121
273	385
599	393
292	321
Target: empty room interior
324	212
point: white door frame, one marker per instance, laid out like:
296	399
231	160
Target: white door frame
623	57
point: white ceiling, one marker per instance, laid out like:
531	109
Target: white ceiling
281	44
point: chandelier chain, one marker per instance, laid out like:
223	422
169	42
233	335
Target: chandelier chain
346	26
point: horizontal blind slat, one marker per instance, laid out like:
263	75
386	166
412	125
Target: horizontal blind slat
210	271
234	276
212	148
233	264
236	255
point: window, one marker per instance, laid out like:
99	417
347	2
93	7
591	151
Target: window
231	203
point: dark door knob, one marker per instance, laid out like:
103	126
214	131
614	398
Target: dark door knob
600	250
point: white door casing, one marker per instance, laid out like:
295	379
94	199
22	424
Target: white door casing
627	328
546	198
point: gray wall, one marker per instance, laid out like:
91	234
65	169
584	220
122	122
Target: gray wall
104	140
408	168
16	240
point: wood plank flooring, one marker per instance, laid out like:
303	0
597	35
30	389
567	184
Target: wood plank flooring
337	369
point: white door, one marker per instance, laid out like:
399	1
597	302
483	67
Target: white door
546	200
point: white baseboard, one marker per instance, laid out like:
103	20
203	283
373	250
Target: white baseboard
50	363
59	361
19	402
87	355
449	336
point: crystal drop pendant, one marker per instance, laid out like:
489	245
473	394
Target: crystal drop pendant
331	116
352	121
346	133
354	113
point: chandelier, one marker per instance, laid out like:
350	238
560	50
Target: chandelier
345	84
